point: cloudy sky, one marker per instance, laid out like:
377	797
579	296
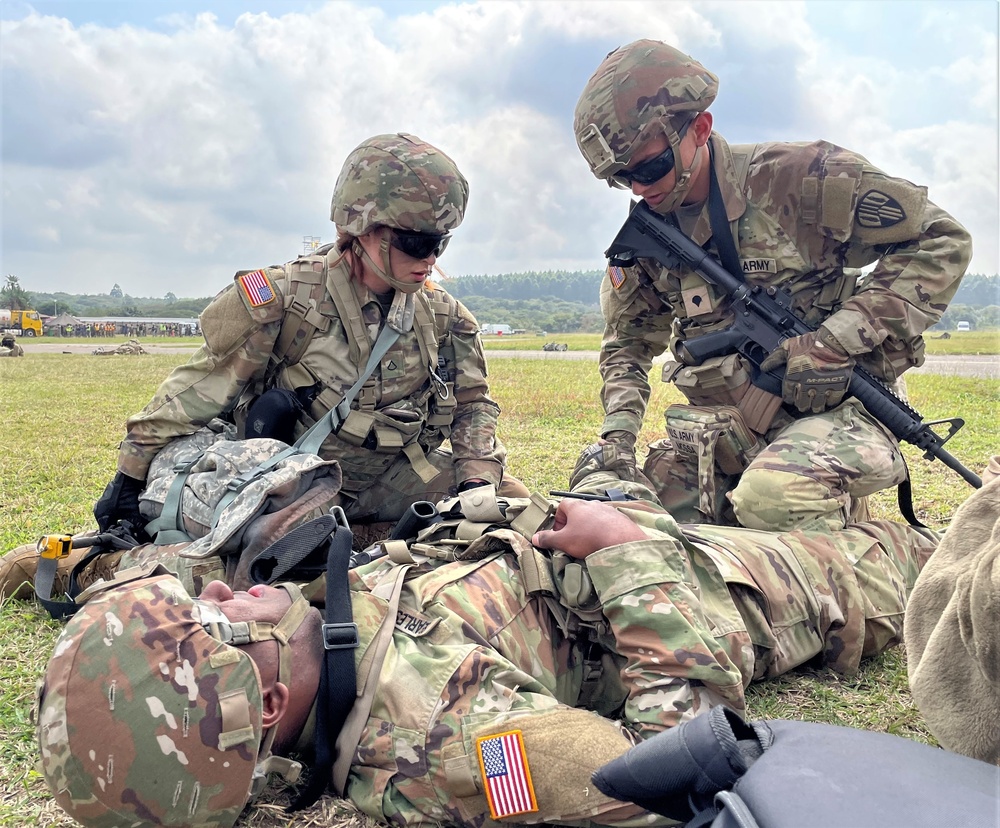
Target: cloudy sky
163	145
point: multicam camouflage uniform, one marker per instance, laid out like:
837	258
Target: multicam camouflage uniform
660	629
690	617
805	217
430	386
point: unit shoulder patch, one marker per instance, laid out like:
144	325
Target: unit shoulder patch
877	209
507	784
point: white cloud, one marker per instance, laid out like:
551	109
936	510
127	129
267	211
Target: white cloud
167	157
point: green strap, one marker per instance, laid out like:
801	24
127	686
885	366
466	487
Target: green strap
168	527
311	441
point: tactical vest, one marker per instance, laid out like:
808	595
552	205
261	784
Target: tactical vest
725	380
370	439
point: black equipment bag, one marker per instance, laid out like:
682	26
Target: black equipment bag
717	770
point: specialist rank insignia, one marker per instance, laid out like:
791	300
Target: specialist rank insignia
617	276
877	210
503	764
257	287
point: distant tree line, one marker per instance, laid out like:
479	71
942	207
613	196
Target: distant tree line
558	301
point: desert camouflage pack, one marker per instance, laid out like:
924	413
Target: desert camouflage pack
215	502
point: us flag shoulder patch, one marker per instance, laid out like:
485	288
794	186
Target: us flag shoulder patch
506	776
257	287
617	276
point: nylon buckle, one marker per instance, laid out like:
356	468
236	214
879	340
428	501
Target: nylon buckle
340	636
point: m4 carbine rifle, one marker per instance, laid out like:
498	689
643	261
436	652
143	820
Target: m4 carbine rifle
763	317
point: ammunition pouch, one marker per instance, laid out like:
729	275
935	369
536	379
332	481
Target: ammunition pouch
725	380
711	437
369	442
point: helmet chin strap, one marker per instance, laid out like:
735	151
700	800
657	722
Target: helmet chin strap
385	271
683	176
244	632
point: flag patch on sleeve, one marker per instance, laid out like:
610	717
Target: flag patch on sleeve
616	275
257	287
506	777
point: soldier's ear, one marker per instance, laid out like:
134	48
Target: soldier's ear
275	704
702	128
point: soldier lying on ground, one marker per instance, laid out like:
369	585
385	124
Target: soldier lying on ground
488	687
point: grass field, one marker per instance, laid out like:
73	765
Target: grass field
957	343
63	417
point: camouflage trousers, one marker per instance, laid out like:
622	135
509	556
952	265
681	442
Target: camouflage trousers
811	473
389	496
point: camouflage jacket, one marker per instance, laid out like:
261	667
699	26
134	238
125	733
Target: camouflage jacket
237	360
686	619
806	217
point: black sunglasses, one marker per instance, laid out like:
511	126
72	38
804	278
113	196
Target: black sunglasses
651	170
419	245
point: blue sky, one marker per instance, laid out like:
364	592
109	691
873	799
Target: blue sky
165	145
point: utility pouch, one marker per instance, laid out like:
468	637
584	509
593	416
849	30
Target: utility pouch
717	433
722	380
710	437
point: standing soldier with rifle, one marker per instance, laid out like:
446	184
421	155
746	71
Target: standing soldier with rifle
798	221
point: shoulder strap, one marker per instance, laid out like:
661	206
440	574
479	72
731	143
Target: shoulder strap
302	315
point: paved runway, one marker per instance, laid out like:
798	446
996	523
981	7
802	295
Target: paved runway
981	366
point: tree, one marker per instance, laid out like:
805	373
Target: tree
170	298
13	296
116	292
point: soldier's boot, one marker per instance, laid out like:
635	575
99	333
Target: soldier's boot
18	568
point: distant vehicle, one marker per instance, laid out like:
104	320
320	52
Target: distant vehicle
21	322
498	330
963	326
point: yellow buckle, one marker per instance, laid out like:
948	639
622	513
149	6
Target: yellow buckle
55	546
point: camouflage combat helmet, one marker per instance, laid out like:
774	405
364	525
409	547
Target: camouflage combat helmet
147	716
639	91
402	182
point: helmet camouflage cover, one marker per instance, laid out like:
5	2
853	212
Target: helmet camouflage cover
639	91
399	181
144	718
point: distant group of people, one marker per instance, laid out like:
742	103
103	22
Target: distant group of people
568	615
132	330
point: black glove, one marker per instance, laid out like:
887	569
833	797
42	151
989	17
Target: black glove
120	501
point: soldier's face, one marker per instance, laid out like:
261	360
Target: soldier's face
259	603
404	268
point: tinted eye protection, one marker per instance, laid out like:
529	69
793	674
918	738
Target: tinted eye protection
652	169
419	245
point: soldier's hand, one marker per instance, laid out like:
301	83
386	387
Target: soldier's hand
615	453
817	370
582	527
120	501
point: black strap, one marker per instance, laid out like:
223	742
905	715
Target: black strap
721	233
338	682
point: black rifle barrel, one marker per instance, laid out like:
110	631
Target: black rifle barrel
763	317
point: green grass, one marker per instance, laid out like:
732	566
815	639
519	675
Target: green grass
64	415
957	344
